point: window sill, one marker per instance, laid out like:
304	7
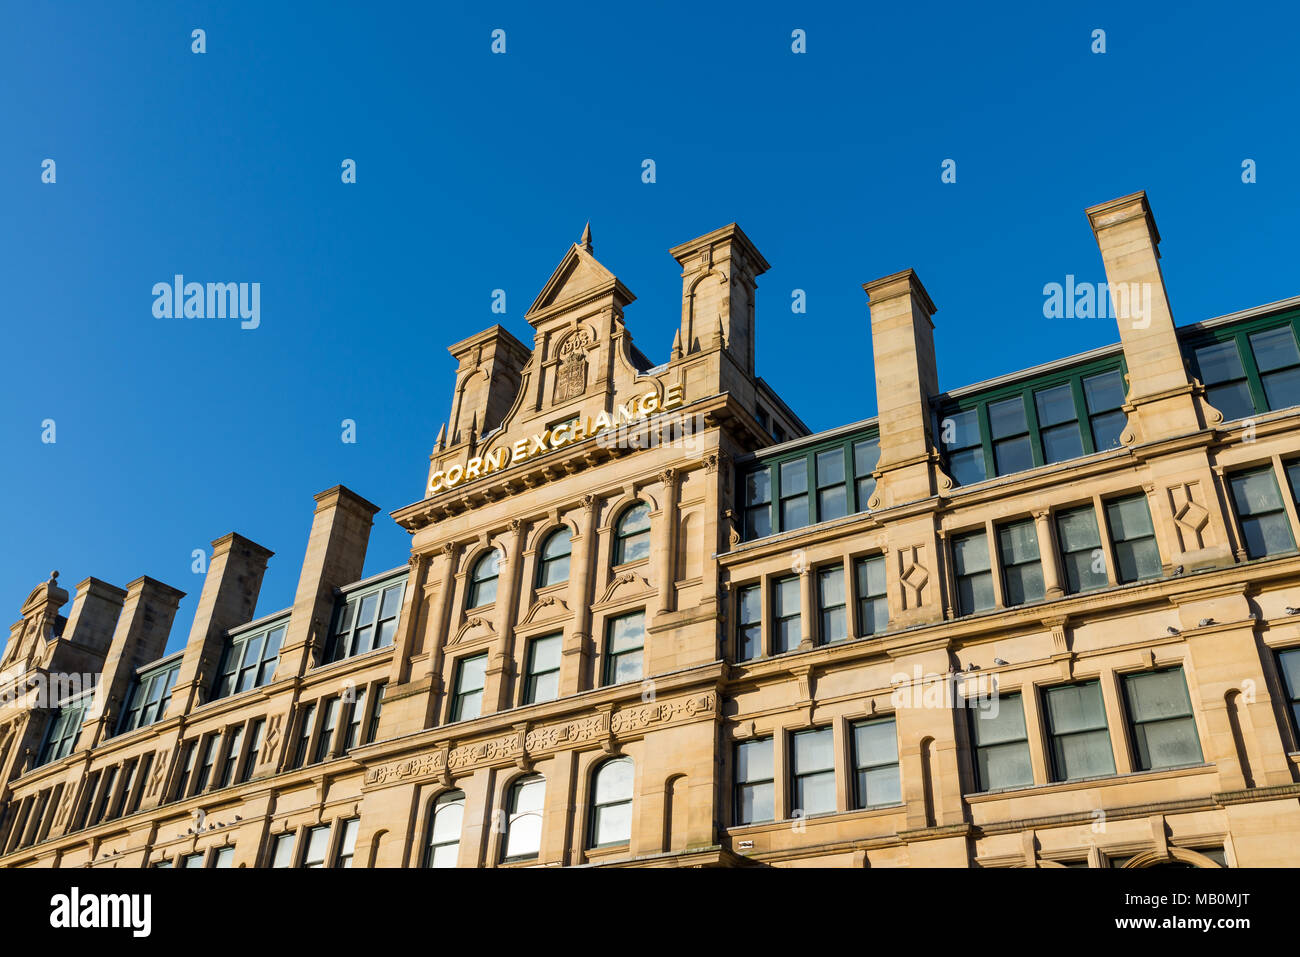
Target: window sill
1053	787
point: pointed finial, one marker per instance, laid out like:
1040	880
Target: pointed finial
677	344
442	434
585	241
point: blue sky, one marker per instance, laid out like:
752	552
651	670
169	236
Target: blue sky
476	171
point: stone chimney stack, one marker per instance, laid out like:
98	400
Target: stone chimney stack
139	638
902	345
228	600
336	553
89	630
1160	392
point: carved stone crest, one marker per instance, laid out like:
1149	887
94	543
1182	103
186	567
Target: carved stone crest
571	373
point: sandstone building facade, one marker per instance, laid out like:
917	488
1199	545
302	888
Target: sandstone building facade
647	619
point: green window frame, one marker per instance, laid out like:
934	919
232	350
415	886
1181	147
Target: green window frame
812	772
64	729
306	723
483	580
446	816
366	619
329	724
755	787
248	660
542	668
1248	368
1000	742
973	567
150	695
787	605
625	648
1079	539
749	622
255	745
876	780
820	483
1021	561
553	568
612	793
1160	718
1261	512
832	605
632	534
1133	537
1077	731
1288	663
235	742
471	679
356	719
1032	423
872	595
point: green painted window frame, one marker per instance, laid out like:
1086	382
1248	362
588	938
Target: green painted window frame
854	494
1240	333
746	783
380	627
749	621
233	666
1291	683
980	402
61	737
984	780
1137	725
865	769
150	694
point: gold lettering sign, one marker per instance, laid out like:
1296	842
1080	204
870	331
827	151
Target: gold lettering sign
566	433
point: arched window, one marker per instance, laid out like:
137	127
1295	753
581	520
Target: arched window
555	558
444	830
483	580
611	803
524	826
632	537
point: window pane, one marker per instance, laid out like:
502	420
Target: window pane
1220	362
1055	405
875	759
794	498
1264	522
967	468
830	467
1104	392
614	781
524	835
1062	442
282	856
1076	708
832	503
1013	455
317	846
1004	766
392	601
875	742
963	429
831	596
1001	744
866	455
1007	418
758	487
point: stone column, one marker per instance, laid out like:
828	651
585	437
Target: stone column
500	670
575	665
1047	555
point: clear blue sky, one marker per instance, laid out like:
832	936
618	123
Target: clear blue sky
476	171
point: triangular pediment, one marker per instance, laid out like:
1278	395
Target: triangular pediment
578	278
